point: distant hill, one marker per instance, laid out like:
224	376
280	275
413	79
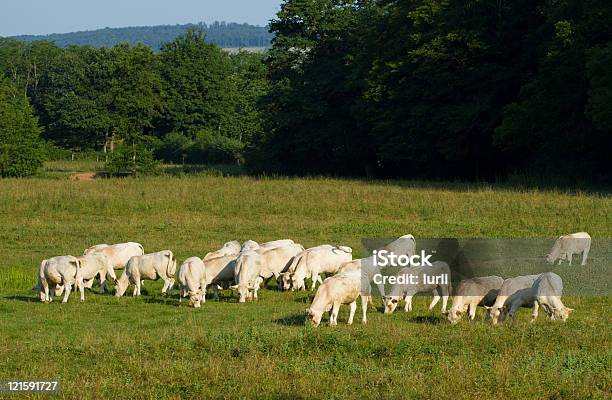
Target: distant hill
227	35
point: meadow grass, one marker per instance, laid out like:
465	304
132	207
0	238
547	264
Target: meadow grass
151	348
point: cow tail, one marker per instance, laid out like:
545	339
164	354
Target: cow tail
171	267
141	249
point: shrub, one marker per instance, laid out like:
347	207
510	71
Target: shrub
212	148
132	160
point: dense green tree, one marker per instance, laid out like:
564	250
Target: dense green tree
21	150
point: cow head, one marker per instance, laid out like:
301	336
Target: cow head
391	303
195	298
561	314
284	280
494	313
243	292
297	281
313	317
121	287
453	315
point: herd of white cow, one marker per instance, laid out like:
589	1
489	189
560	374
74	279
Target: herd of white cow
244	267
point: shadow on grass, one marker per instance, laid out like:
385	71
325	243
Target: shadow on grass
291	320
427	319
26	299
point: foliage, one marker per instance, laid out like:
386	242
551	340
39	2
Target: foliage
132	160
21	150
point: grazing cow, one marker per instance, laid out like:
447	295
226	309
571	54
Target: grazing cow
191	279
219	270
97	264
508	288
546	292
314	261
253	267
60	272
434	278
339	289
118	254
151	267
229	249
566	246
472	293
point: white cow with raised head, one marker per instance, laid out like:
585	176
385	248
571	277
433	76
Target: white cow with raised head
343	288
118	254
471	293
566	246
60	272
191	279
253	267
150	267
508	288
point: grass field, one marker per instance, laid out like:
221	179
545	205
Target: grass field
151	348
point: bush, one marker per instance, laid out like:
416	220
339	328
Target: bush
21	149
132	160
212	148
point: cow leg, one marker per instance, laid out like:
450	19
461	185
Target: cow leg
333	319
103	283
44	291
171	287
569	257
68	289
435	300
137	288
364	307
445	295
215	292
352	312
165	288
472	311
534	311
81	287
585	254
408	300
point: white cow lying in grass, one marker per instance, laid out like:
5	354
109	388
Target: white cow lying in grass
339	289
312	262
118	254
60	273
566	246
191	279
150	267
546	292
253	267
508	288
472	293
438	272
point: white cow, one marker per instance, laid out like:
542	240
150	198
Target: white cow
151	267
313	262
191	279
339	289
435	278
56	272
118	254
566	246
97	264
472	293
253	267
546	292
219	270
508	288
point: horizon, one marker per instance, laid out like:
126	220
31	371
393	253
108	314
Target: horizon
69	16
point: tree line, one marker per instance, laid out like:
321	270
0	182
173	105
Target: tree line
484	90
223	34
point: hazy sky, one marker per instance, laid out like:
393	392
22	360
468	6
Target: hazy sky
57	16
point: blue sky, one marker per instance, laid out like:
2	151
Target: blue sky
58	16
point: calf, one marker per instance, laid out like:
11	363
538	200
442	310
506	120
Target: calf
151	267
508	288
566	246
191	279
546	292
60	272
339	289
434	278
472	293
